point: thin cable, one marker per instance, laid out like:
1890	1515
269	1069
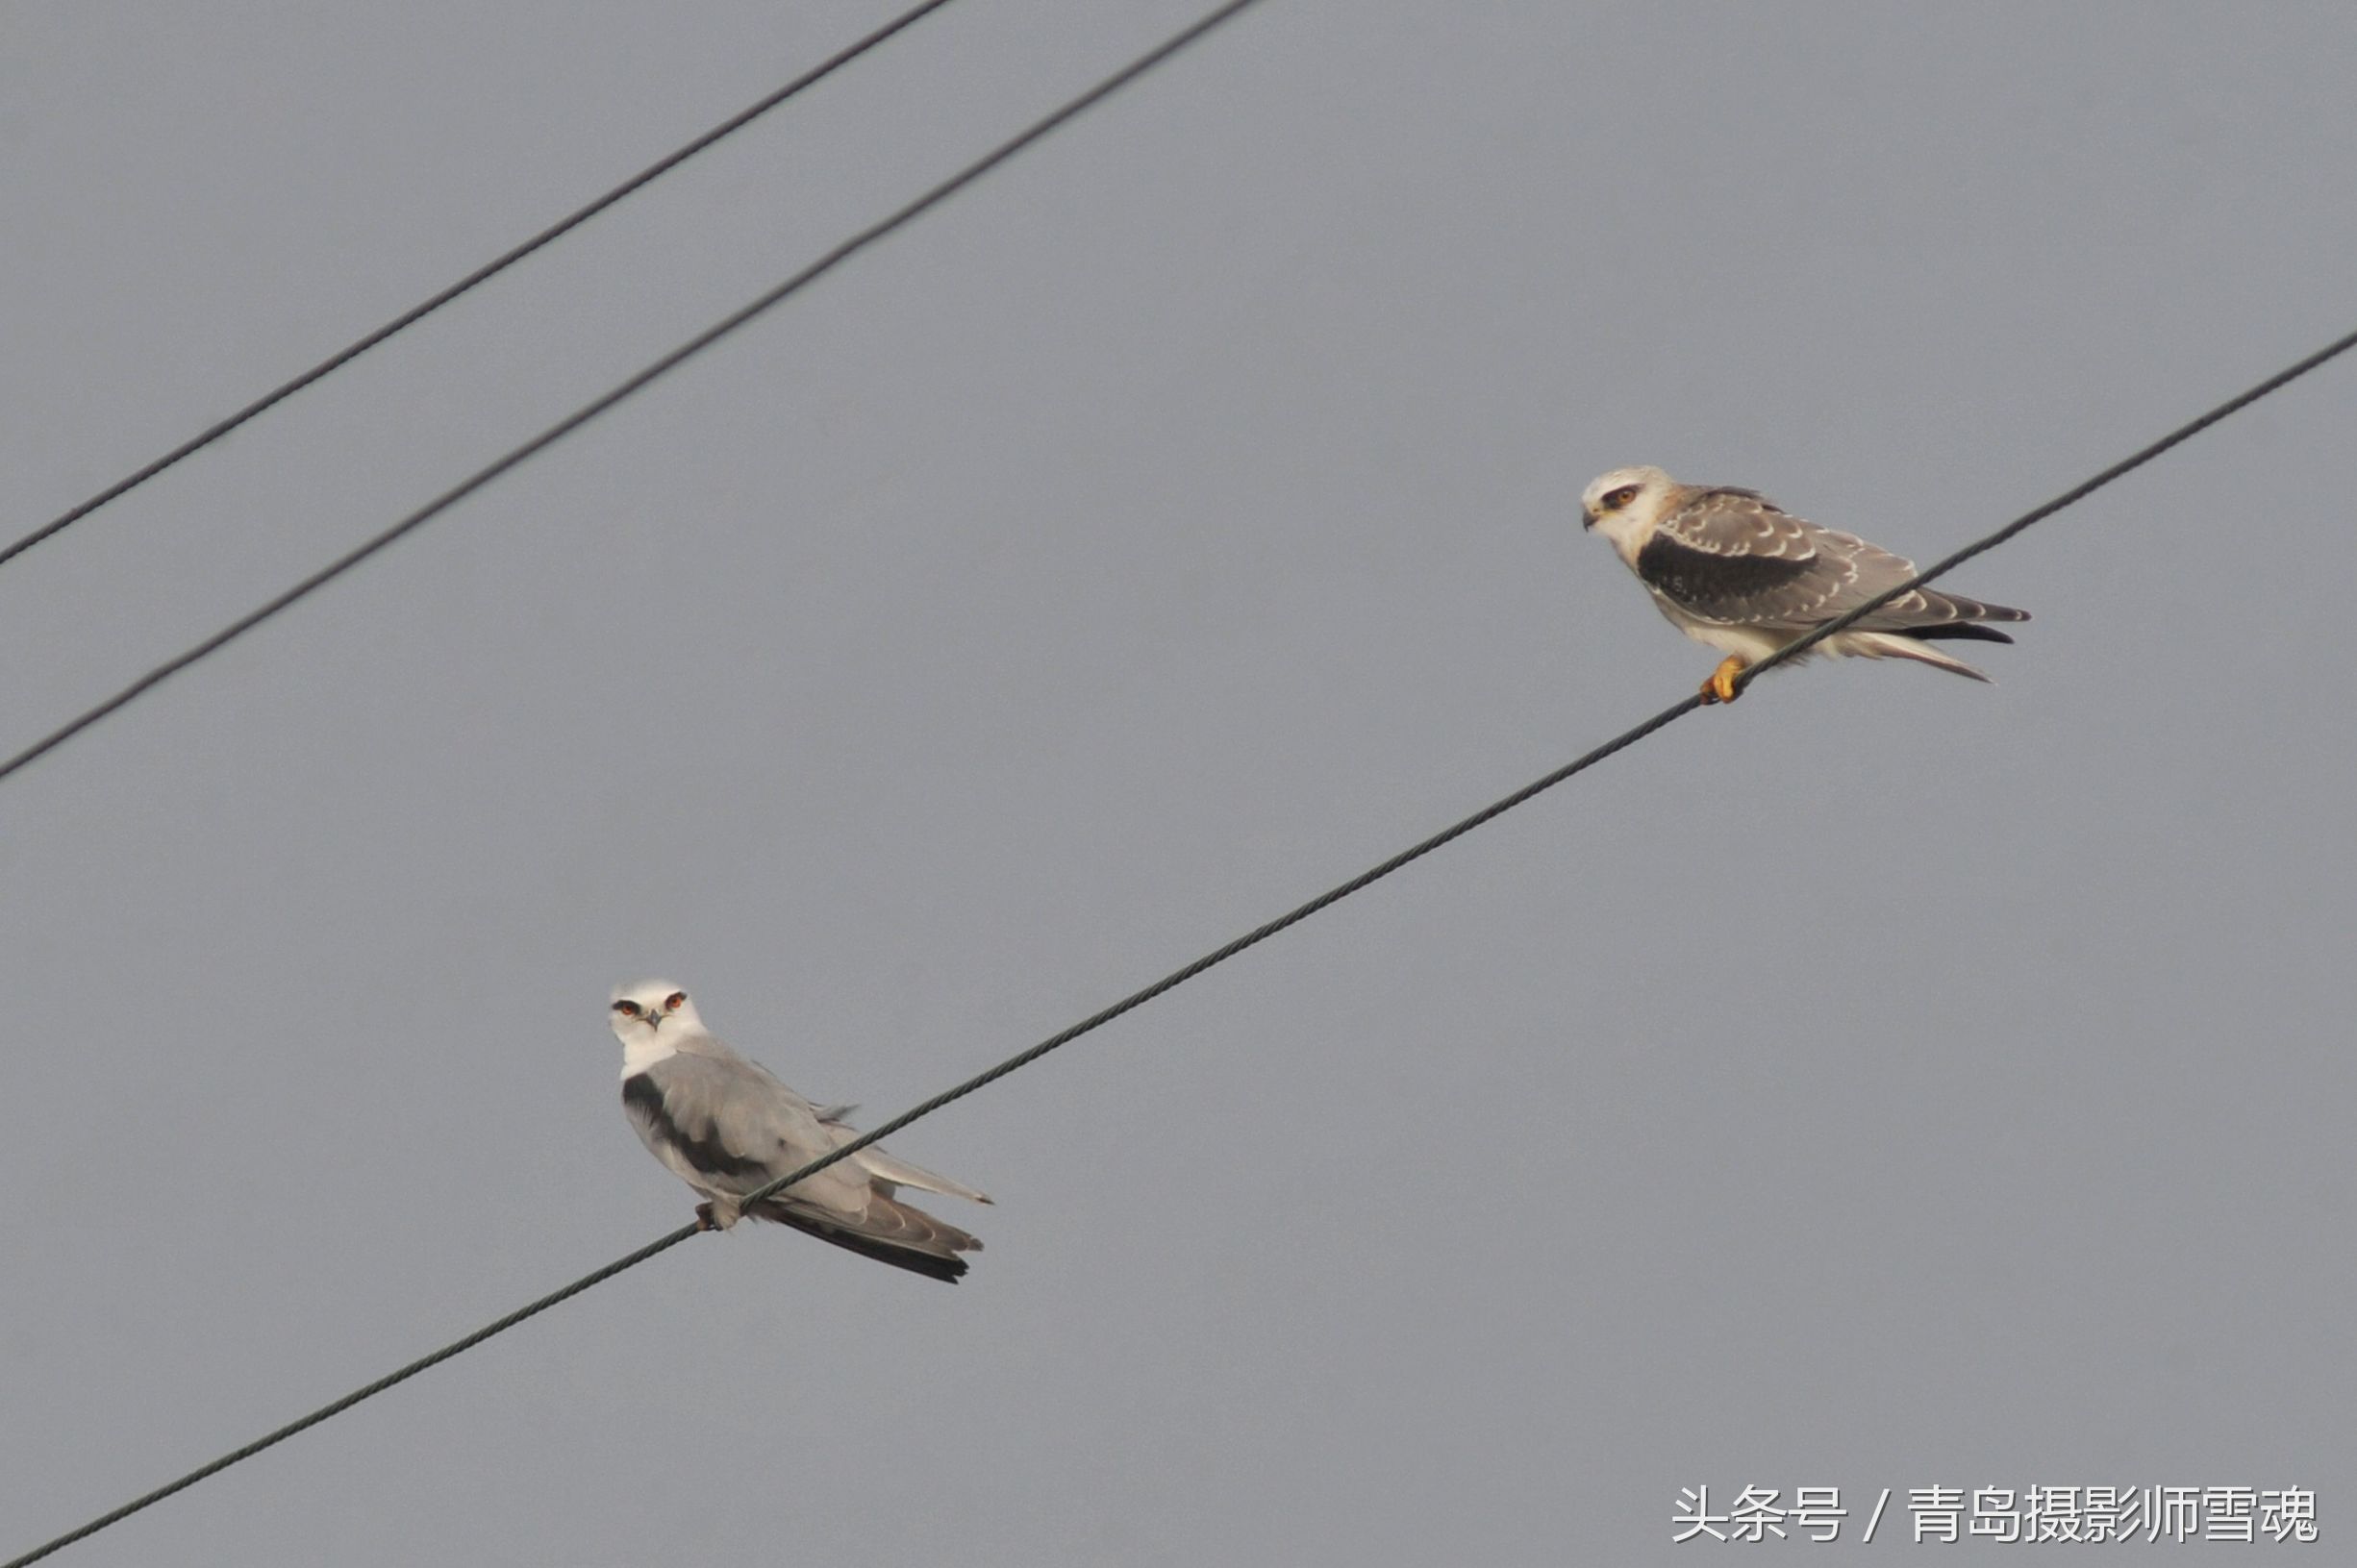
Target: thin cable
1176	978
1097	1020
2036	514
483	273
355	1397
587	411
1180	976
1661	720
1219	956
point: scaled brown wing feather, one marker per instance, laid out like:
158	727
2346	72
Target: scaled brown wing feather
1732	555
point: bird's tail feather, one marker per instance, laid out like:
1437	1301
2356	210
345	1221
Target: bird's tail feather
886	1167
1956	606
1925	613
891	1232
1891	645
900	1173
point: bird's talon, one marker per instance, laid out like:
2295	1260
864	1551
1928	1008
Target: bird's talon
1720	687
703	1218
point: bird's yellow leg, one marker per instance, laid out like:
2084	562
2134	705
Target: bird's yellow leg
1720	687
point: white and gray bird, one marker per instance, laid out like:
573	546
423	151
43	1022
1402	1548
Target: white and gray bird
726	1126
1731	568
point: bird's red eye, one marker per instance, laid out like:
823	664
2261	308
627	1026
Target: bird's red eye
675	1001
1621	497
628	1010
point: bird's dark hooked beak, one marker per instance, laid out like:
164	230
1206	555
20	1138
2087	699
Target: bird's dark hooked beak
1587	518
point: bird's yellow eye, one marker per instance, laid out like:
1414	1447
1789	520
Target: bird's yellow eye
1620	498
674	1002
628	1010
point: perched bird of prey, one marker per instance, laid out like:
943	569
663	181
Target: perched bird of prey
726	1126
1732	569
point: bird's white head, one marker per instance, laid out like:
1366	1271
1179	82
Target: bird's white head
650	1018
1625	505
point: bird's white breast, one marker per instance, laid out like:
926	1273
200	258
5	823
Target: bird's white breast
648	1048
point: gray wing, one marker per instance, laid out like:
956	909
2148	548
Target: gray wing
722	1123
1734	557
727	1127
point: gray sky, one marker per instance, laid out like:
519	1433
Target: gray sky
1887	1082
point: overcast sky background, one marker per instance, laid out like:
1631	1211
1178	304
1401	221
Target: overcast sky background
1887	1082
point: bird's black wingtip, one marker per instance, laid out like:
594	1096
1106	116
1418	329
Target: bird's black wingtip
1962	630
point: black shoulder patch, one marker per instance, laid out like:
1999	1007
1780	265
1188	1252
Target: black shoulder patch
705	1152
1701	580
639	1091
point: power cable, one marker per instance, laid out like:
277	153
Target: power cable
339	1406
490	269
2077	493
1179	977
592	409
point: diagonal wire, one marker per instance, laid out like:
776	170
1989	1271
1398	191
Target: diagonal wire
483	274
599	404
455	1347
2037	515
1627	738
1176	978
